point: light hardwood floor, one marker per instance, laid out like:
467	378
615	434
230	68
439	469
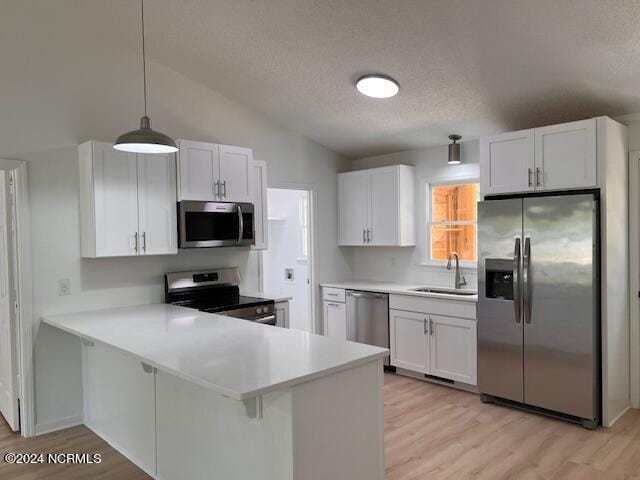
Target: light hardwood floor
431	432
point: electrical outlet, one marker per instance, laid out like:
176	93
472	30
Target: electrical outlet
64	286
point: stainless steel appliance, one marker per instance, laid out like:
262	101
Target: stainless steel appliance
217	291
215	224
538	304
368	318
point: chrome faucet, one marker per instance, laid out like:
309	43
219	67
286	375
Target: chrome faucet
460	280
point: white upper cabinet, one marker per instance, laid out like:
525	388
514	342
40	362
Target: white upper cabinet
127	202
353	201
236	170
507	162
157	204
259	200
557	157
376	206
199	170
212	172
566	155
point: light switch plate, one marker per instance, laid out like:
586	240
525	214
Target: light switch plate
64	286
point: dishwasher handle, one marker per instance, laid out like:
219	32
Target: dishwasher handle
357	294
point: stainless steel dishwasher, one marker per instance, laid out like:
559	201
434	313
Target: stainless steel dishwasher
368	318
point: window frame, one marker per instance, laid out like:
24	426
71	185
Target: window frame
428	215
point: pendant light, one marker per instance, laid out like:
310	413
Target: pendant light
145	140
454	150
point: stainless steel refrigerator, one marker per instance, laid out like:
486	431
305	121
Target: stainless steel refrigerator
538	304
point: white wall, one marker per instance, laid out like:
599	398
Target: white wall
80	87
404	264
285	253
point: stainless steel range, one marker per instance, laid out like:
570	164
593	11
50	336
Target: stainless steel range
217	291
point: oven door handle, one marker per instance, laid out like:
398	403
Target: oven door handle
240	223
268	320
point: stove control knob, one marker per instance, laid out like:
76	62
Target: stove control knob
258	309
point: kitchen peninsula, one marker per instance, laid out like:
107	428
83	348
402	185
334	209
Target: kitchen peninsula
186	394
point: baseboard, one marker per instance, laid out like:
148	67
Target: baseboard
61	424
123	451
617	417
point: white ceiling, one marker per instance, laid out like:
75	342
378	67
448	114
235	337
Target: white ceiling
465	66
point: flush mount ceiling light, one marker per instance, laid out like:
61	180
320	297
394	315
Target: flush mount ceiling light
145	140
377	86
454	150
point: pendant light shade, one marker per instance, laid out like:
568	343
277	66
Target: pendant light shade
145	140
454	150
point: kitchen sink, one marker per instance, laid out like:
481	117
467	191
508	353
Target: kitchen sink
444	291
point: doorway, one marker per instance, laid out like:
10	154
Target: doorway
287	265
15	298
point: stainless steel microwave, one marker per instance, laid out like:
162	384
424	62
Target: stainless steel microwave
215	224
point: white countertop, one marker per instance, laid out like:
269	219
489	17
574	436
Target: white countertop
268	296
399	289
236	358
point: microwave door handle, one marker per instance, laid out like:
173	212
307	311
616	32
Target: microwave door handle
240	223
516	280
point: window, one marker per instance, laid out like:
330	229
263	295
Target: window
453	217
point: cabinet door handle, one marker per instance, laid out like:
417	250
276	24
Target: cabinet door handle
538	173
144	242
368	236
529	175
135	241
364	236
216	188
424	323
430	326
224	187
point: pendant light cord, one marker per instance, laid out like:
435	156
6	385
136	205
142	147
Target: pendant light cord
144	61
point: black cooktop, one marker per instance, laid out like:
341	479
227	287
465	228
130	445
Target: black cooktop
214	299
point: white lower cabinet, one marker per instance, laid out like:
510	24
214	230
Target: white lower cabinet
409	340
432	343
335	320
119	403
282	314
453	348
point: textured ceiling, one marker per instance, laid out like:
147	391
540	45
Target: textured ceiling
464	66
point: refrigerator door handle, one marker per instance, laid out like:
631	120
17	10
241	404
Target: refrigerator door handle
516	280
526	295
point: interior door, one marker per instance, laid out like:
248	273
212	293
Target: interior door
566	155
199	169
507	162
500	329
157	204
560	327
383	198
353	206
8	357
236	171
116	202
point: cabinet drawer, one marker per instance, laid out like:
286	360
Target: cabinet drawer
437	306
333	294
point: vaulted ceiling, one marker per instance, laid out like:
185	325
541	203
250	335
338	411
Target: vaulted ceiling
471	67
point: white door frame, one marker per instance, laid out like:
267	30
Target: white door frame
634	281
24	320
309	187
